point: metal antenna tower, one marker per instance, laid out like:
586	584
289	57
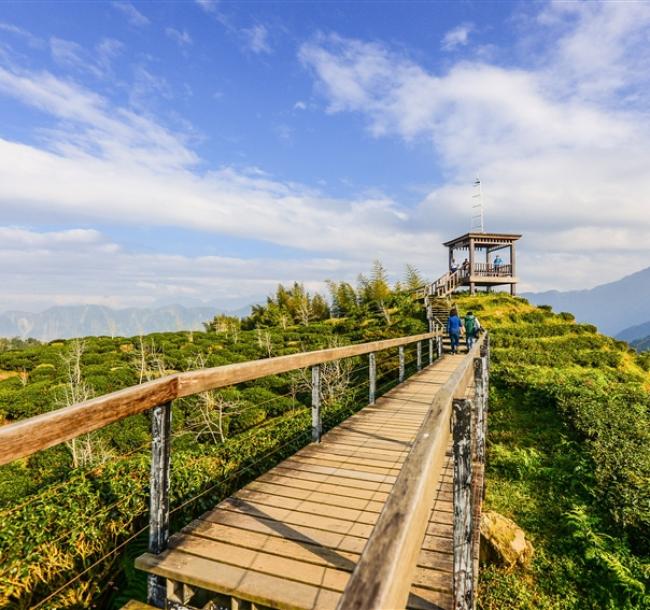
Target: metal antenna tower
477	208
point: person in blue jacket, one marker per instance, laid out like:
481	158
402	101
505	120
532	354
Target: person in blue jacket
498	263
454	326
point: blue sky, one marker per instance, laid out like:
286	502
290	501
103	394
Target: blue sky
204	151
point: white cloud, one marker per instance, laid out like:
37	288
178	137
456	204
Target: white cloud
563	156
457	37
32	40
100	130
135	17
69	54
300	105
109	164
81	266
107	50
209	6
257	39
181	38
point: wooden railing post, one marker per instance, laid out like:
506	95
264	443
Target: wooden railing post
161	422
316	425
478	474
372	369
430	351
479	383
419	355
401	363
463	526
439	345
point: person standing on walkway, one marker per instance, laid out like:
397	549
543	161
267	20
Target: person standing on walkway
454	326
471	329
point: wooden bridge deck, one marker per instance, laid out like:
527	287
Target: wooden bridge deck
291	538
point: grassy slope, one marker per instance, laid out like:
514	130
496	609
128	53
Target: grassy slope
546	471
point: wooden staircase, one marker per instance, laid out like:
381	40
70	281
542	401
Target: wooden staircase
438	309
444	285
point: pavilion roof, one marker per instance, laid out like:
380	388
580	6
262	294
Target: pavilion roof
483	239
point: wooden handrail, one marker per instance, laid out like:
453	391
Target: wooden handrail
22	438
384	574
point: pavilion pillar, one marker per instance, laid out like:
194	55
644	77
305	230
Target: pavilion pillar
472	286
513	270
450	257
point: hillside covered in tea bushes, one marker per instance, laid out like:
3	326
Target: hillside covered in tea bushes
568	459
568	443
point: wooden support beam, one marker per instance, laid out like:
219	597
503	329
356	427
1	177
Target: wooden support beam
463	568
401	363
372	372
316	424
419	355
472	258
513	269
161	423
430	351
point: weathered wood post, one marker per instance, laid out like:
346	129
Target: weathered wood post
463	526
430	351
478	474
372	367
401	363
316	425
161	423
419	355
485	356
481	400
439	345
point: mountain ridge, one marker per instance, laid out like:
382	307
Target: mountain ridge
69	321
613	307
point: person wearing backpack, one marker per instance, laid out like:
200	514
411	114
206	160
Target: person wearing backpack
472	327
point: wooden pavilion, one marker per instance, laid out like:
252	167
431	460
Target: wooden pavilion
482	264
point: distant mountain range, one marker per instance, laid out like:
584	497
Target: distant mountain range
641	345
634	333
620	308
68	321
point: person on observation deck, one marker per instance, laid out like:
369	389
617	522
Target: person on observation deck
453	266
454	327
465	267
498	262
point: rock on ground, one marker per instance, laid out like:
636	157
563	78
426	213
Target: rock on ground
503	542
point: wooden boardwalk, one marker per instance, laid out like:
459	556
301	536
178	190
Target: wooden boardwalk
291	538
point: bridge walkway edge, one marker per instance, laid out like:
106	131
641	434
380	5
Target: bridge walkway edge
291	538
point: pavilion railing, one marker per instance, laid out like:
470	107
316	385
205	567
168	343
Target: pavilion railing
491	270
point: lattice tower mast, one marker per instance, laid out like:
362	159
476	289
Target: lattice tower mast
477	208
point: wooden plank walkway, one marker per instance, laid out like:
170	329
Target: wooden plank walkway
291	538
